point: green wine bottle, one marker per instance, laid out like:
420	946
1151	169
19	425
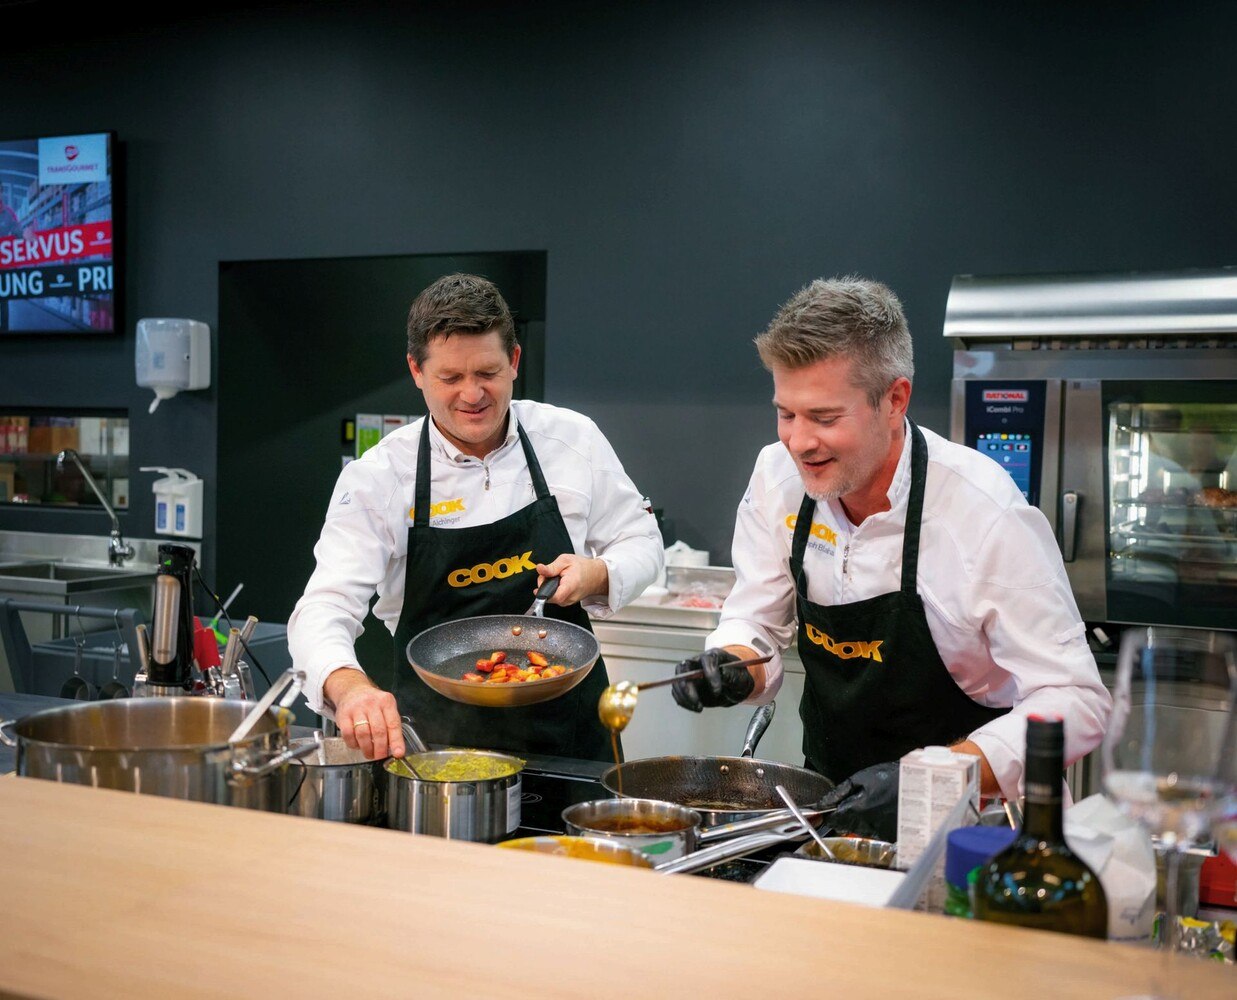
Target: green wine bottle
1038	881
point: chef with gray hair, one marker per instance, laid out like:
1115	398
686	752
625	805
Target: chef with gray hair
928	600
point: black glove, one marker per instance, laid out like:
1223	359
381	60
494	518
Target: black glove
866	803
721	685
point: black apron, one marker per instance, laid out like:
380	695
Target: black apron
564	727
876	687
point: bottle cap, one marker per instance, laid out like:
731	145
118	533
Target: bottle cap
971	846
1045	735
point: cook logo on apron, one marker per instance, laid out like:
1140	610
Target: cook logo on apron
846	650
498	570
485	569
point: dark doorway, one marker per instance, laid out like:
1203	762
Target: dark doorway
303	346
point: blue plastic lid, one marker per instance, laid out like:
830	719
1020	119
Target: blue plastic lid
971	846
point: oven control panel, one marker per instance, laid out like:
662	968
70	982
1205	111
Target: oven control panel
1005	421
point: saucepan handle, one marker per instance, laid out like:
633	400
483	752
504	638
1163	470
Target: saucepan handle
728	850
276	762
5	738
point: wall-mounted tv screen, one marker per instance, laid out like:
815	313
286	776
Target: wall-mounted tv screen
57	245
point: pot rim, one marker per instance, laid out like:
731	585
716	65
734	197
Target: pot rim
251	742
308	762
688	826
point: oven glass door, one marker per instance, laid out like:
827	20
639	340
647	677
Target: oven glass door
1171	502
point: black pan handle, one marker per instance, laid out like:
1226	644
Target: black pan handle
543	594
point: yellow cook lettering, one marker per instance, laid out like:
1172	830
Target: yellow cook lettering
821	531
440	508
845	650
498	570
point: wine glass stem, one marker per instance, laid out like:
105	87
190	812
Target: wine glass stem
1168	939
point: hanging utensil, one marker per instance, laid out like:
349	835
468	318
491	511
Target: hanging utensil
114	688
77	687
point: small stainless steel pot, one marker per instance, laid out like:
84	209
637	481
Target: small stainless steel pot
861	851
482	810
338	783
662	830
175	747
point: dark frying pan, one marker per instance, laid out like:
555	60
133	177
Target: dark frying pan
721	789
442	655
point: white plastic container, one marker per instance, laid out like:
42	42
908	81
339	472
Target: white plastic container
930	782
171	355
178	502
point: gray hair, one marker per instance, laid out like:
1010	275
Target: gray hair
849	317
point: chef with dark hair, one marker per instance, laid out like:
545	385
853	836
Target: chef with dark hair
481	481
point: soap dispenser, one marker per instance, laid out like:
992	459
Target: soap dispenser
178	502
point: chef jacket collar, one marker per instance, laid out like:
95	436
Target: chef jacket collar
899	486
441	446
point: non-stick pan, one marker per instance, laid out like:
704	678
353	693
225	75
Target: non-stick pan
443	654
721	789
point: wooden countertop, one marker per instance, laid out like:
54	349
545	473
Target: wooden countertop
110	894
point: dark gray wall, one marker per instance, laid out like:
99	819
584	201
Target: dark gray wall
685	166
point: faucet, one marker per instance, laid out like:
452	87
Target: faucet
117	550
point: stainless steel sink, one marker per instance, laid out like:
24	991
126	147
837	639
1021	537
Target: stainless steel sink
63	579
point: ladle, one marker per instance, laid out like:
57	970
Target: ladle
803	821
618	702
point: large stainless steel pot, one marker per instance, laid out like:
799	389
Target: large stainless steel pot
175	747
483	810
338	783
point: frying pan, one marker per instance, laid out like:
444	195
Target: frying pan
721	789
443	654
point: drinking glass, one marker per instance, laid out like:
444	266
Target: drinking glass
1164	757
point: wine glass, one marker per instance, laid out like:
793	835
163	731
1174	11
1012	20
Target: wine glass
1224	821
1164	757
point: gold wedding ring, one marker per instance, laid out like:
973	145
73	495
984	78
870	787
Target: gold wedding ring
362	722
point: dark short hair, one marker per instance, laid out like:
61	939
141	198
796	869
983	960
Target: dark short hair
850	317
458	303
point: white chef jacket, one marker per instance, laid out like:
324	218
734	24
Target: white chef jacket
364	543
998	602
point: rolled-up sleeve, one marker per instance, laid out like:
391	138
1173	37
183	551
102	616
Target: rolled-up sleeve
1023	604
